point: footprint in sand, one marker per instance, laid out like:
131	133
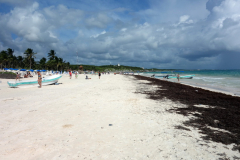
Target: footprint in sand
67	126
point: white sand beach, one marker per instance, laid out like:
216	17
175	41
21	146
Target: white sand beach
96	119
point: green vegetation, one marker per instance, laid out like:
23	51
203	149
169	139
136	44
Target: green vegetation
9	60
106	68
8	73
113	68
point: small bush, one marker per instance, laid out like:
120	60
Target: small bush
9	73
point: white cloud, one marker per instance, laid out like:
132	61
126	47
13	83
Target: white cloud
28	23
123	29
151	38
183	18
95	36
99	20
61	15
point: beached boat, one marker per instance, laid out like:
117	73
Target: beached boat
34	82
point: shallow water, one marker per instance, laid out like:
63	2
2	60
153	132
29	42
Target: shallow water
222	80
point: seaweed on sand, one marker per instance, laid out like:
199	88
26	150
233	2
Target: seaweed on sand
219	122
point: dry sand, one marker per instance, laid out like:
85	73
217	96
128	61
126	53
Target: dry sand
96	119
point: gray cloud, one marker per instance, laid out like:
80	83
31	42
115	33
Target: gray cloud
190	36
213	3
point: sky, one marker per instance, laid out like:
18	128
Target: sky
165	34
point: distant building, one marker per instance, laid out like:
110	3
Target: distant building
142	67
118	65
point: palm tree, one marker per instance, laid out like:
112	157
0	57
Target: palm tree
3	58
10	56
29	55
51	55
42	62
67	65
20	61
10	52
58	62
14	61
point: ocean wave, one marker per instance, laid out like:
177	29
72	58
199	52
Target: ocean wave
209	78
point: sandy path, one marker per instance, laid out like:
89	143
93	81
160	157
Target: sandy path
95	119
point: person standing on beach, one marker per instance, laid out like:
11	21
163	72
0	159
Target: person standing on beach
178	77
99	74
39	79
70	74
76	74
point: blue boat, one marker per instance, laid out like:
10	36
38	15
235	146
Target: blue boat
182	77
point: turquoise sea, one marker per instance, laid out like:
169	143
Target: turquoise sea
221	80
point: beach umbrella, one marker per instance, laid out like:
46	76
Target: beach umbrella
5	68
14	69
44	70
31	70
22	69
39	71
178	71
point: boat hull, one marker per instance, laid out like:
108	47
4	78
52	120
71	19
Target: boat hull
34	82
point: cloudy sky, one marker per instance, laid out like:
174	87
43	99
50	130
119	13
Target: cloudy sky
180	34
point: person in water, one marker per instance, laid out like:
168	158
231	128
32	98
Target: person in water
39	79
178	77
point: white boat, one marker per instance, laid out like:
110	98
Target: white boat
34	82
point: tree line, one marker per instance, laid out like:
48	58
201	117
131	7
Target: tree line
9	60
106	68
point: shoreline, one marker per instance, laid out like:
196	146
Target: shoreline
213	109
203	86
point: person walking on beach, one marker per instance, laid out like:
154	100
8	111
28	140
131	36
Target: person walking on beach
39	79
178	77
70	74
18	76
76	74
99	74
